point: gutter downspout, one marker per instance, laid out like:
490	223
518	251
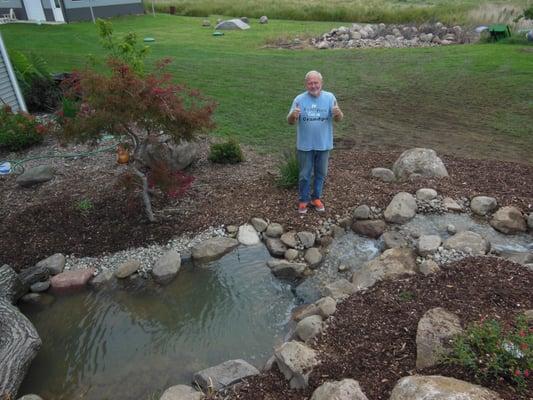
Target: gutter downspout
12	75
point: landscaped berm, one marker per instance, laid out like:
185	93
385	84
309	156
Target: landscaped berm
134	171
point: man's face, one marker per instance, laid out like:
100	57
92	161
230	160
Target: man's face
313	85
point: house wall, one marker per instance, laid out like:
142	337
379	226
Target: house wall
16	5
78	10
9	93
47	8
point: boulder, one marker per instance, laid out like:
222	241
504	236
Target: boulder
274	230
213	248
428	244
372	228
428	267
275	247
167	266
326	306
126	269
508	220
181	392
307	239
247	235
289	239
313	257
309	327
224	375
291	254
259	224
483	205
418	387
287	270
390	264
419	161
434	334
339	289
55	263
401	209
177	156
72	279
296	361
347	389
361	212
468	242
392	239
426	194
232	24
384	174
263	19
34	176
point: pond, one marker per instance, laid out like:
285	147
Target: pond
136	339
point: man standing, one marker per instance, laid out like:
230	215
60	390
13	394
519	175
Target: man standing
314	110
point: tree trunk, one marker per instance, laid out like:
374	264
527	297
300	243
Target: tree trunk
145	195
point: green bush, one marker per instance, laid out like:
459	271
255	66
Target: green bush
19	131
288	170
228	152
492	352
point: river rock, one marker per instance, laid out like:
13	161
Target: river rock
30	397
126	269
384	174
213	248
296	361
401	209
347	389
392	239
468	242
167	266
287	270
451	205
482	205
307	239
291	254
34	176
224	375
259	224
428	267
508	220
361	212
426	194
72	279
326	306
428	244
434	336
313	257
55	263
275	247
418	387
289	239
309	327
39	287
390	264
372	228
181	392
102	278
247	235
274	230
304	311
337	231
419	161
339	289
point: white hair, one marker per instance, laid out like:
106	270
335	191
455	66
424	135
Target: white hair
313	73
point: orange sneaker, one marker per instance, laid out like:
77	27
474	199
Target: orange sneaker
319	206
302	207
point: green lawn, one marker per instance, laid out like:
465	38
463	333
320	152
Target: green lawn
472	100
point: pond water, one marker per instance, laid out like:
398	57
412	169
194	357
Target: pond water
136	339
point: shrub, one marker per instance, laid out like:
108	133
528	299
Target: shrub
228	152
19	131
288	170
492	352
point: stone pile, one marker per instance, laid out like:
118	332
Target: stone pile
382	35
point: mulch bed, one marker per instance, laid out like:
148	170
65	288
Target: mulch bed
372	336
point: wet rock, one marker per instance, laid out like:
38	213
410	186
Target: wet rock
483	205
372	228
383	174
213	248
247	235
126	269
72	279
309	327
289	239
337	231
55	263
451	229
428	267
426	194
390	264
39	287
224	375
34	176
468	242
313	257
102	278
307	239
167	266
401	209
296	361
508	220
392	239
428	244
259	224
347	389
361	212
434	336
420	161
181	392
287	270
340	289
418	387
274	230
275	247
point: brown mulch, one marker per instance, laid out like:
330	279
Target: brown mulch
372	336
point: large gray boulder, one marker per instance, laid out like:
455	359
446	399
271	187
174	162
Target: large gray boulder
212	249
401	209
390	264
509	220
384	174
419	161
418	387
181	392
36	175
177	156
309	327
483	205
232	24
167	266
224	375
296	362
468	242
347	389
434	334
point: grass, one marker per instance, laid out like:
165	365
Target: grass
466	100
387	11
